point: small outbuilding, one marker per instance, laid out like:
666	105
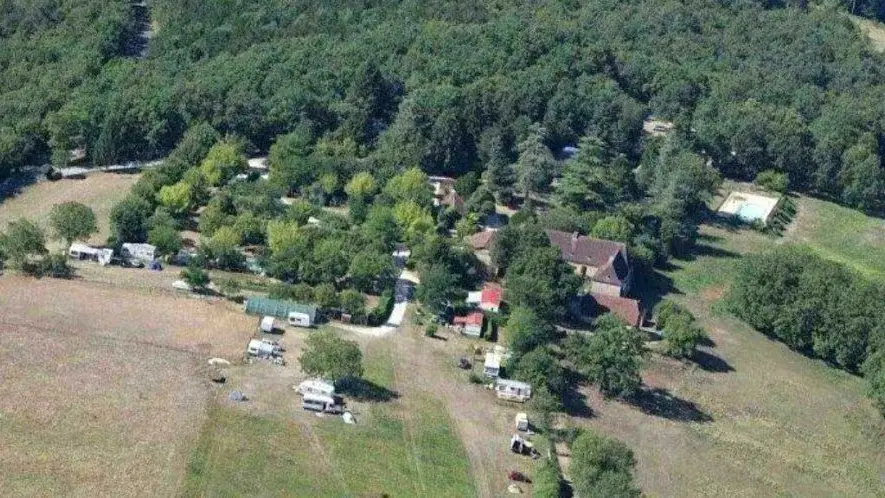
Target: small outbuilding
513	390
488	299
471	324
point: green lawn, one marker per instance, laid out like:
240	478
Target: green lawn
843	235
392	451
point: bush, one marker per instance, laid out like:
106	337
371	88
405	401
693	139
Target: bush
773	180
547	480
381	313
431	330
476	378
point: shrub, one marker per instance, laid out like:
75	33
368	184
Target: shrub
547	480
773	180
379	315
431	330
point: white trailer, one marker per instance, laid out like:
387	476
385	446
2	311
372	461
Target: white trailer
142	252
82	251
299	319
513	390
316	386
262	349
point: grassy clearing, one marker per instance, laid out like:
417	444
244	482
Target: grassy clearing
843	235
245	455
99	191
751	417
875	31
414	453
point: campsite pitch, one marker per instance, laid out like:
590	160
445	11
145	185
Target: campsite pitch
99	191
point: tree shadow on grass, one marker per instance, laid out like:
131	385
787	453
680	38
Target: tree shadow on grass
366	390
15	184
574	403
710	362
662	403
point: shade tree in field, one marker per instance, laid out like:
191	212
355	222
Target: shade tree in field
129	219
602	467
72	221
681	333
22	242
611	358
329	356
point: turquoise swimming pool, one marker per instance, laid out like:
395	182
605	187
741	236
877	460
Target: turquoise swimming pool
751	212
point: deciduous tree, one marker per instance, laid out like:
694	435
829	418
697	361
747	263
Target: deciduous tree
328	356
72	221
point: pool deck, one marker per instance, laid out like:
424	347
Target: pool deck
749	207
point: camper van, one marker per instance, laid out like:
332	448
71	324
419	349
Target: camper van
492	365
268	325
320	403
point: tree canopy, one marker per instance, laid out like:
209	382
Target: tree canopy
328	356
72	221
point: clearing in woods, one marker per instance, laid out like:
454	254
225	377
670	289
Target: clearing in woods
100	191
750	417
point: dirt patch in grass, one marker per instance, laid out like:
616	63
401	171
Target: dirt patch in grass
94	416
208	327
100	191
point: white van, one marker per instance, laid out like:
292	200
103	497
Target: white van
320	403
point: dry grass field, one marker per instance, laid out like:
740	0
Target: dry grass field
207	327
100	191
90	416
103	388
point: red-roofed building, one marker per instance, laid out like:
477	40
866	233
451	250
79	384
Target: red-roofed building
622	307
471	324
603	262
488	299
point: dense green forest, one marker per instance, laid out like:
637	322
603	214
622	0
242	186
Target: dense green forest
451	86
